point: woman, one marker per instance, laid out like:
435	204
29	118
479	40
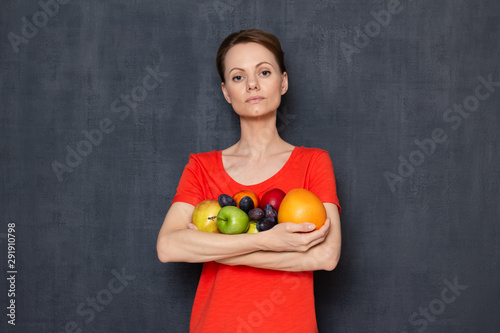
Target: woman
254	282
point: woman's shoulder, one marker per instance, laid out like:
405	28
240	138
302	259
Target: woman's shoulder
310	151
203	161
205	156
308	155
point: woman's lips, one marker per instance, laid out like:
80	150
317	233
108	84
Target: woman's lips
254	99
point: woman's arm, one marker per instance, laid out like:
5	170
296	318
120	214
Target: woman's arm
323	256
178	243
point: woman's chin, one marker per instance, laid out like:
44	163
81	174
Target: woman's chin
256	112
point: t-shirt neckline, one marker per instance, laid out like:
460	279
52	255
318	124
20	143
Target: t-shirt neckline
283	168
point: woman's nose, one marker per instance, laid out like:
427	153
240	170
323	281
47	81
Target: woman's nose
252	83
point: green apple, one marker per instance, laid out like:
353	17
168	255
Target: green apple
232	220
253	227
205	215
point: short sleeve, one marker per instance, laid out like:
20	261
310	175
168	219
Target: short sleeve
190	188
322	178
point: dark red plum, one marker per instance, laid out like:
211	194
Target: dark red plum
265	224
226	200
256	214
271	213
246	204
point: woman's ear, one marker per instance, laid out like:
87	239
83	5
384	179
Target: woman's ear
225	92
284	83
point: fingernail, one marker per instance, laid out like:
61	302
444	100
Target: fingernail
312	226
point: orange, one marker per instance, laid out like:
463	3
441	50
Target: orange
244	193
300	205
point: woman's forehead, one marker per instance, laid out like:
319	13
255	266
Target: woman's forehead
249	54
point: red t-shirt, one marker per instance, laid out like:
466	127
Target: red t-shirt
247	299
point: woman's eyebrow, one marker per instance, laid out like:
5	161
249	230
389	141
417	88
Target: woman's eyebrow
260	63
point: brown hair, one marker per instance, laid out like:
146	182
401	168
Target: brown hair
269	41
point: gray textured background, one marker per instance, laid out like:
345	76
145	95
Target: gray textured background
439	222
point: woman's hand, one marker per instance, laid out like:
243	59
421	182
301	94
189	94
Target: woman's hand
294	237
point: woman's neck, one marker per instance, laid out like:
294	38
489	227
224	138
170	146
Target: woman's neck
259	137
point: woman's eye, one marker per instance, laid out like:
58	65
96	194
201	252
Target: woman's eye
266	73
237	78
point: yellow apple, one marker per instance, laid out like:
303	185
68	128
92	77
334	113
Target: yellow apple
205	215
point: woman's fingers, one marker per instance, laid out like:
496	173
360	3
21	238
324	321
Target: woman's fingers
192	226
300	227
300	236
317	236
327	225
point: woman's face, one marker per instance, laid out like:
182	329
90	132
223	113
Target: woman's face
254	83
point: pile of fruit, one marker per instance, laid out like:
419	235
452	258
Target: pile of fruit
245	213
